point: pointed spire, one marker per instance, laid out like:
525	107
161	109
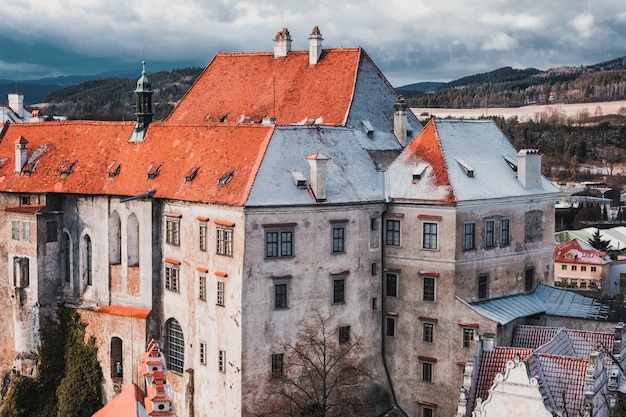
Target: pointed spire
144	106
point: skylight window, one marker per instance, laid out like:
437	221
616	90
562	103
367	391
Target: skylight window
368	128
299	178
189	176
67	168
154	170
418	172
225	179
114	169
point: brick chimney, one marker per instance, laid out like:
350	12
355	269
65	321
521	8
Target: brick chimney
20	154
529	168
317	162
282	43
315	45
400	120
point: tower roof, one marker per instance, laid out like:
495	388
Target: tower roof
143	84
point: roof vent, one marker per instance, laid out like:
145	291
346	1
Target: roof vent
511	163
225	179
154	170
191	174
114	169
299	178
419	170
67	168
269	120
368	128
465	167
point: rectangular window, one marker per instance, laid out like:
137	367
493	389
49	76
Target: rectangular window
202	287
26	231
203	353
468	336
220	293
339	239
25	200
279	243
490	233
280	295
429	240
393	233
573	267
339	290
171	277
51	231
202	236
483	286
427	371
374	268
583	268
564	267
225	241
277	365
391	285
344	335
505	232
593	269
15	230
428	332
469	236
221	361
529	282
429	289
428	412
390	326
172	231
374	303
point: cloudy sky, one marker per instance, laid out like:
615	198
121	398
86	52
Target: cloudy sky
410	40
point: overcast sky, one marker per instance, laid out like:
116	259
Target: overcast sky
409	40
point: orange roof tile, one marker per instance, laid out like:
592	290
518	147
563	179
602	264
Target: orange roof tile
227	156
125	404
140	313
493	363
249	86
578	254
426	147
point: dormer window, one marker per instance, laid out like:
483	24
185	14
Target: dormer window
466	168
368	128
419	171
67	168
225	179
154	170
114	169
191	174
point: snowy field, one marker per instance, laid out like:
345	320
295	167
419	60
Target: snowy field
526	112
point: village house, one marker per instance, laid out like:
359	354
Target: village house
283	183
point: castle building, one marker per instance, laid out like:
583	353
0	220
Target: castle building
283	183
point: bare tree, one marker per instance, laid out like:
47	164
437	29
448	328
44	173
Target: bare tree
321	374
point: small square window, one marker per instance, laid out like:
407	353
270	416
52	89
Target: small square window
468	336
428	412
344	335
391	285
593	269
280	295
583	268
564	267
339	290
220	293
171	277
202	287
221	361
277	365
428	332
25	200
390	326
172	231
574	267
427	371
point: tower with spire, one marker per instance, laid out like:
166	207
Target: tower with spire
144	106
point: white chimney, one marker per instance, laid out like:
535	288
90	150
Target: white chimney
317	162
16	103
488	342
399	120
315	46
529	168
282	43
20	154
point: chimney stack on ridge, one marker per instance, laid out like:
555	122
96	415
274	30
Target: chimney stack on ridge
315	46
282	43
317	162
400	121
529	168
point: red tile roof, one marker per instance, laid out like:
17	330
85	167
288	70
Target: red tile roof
227	157
126	404
249	86
426	147
140	313
493	363
573	252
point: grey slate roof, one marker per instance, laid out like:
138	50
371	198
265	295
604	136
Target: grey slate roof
544	300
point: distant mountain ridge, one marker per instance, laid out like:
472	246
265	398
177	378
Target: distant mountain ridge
509	87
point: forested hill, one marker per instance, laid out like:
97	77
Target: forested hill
509	87
114	98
